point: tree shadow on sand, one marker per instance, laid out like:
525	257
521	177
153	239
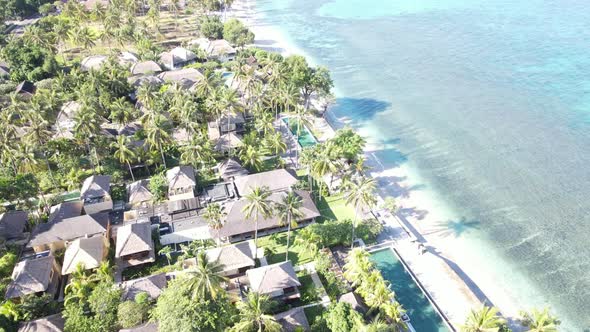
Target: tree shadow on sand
455	228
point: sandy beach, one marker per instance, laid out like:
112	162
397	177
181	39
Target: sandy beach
448	271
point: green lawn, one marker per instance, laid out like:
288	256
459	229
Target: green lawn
334	207
275	247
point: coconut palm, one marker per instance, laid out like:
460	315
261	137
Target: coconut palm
263	123
122	113
251	157
258	204
290	96
197	153
104	273
485	319
124	153
10	310
379	296
369	282
300	117
394	312
289	211
539	321
204	280
82	36
157	135
167	252
207	84
254	314
80	285
376	325
214	215
358	266
275	143
390	204
360	194
321	165
86	126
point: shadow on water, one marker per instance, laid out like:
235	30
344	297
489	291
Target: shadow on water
455	228
357	110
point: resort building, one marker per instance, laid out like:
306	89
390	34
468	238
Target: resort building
135	245
181	183
36	275
65	210
53	323
152	285
219	50
227	142
275	180
26	89
234	259
92	62
88	252
145	68
293	320
355	301
184	230
55	234
12	225
178	57
278	281
138	193
96	194
187	76
64	122
229	123
229	169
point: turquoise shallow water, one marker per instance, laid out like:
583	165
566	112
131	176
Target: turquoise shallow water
490	103
423	317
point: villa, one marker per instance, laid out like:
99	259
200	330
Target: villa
178	57
134	245
181	183
145	68
230	169
186	76
219	50
293	320
227	142
64	123
88	252
237	228
55	234
12	225
96	194
138	193
152	285
278	281
65	210
275	180
34	276
226	124
53	323
234	259
92	62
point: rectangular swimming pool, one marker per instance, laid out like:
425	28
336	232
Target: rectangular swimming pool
423	316
305	136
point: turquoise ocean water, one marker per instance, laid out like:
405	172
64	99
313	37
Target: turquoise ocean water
489	101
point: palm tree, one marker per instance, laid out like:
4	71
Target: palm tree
205	280
390	204
394	313
10	310
254	314
157	135
122	112
289	210
358	266
87	125
275	144
263	122
214	215
539	321
485	319
167	252
104	273
251	157
322	165
198	153
258	205
300	117
308	241
376	325
82	36
380	295
360	194
207	84
124	153
80	285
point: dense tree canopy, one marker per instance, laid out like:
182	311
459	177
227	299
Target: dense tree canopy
211	27
237	33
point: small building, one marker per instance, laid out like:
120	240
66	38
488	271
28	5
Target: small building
278	281
145	68
178	57
184	230
219	192
93	62
65	210
96	194
26	89
64	122
34	276
181	183
135	245
293	320
219	50
275	180
227	142
237	228
137	81
234	259
127	57
53	323
226	124
4	70
89	252
138	193
54	235
12	225
355	301
152	285
230	169
189	76
252	62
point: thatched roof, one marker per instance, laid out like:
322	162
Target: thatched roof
270	278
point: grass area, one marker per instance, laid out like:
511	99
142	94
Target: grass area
312	313
334	207
309	293
275	247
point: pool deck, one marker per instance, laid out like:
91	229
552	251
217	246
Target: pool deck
448	290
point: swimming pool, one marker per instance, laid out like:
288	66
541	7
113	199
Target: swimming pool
305	136
423	316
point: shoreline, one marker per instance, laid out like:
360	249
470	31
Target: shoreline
458	292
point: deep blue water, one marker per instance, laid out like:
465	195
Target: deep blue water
489	101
